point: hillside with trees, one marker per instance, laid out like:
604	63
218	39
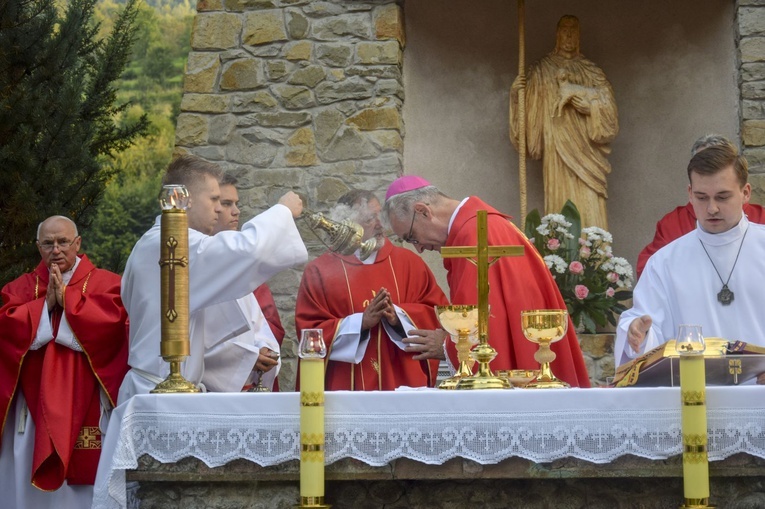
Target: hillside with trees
152	84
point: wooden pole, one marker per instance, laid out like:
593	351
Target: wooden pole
522	110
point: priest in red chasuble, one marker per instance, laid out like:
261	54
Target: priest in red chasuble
63	334
366	307
426	218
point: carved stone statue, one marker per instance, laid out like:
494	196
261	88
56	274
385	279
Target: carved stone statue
571	119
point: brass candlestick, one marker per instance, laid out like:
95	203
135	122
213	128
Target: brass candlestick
460	321
174	290
544	327
344	237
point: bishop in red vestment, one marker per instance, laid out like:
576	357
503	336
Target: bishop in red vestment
64	352
335	292
680	221
434	220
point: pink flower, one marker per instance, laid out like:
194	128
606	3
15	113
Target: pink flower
581	292
610	292
576	267
612	277
553	244
585	252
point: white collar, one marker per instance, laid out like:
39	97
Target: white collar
723	238
454	214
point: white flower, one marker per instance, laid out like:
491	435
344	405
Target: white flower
556	264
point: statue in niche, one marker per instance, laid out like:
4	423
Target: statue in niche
571	118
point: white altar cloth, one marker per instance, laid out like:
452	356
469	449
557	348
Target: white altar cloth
430	426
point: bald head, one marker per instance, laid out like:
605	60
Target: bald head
58	242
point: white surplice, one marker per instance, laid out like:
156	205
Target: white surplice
680	285
223	267
229	363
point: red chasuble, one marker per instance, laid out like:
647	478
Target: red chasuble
515	284
680	221
60	385
271	313
334	287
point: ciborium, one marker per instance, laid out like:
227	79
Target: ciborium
461	322
345	237
544	327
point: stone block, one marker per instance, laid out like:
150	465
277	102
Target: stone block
753	90
277	119
597	345
389	23
243	74
752	109
296	51
292	97
751	21
349	144
301	148
385	52
201	72
753	71
191	130
258	101
276	70
309	76
264	27
758	186
249	5
317	9
297	24
752	49
327	122
205	103
209	5
375	71
330	189
240	150
390	88
387	140
377	118
221	128
753	133
216	30
350	89
342	26
388	164
334	55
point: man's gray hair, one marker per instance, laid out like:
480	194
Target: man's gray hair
711	140
74	225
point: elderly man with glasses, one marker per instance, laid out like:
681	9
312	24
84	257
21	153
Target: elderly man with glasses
368	307
63	334
516	283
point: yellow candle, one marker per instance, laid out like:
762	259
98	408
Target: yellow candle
312	432
694	425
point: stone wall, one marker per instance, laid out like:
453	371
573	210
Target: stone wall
296	95
751	78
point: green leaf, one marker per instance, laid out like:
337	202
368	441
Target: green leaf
533	220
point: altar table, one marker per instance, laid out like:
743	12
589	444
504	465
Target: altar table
429	426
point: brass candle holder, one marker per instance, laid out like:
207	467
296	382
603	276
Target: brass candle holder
462	322
174	288
544	327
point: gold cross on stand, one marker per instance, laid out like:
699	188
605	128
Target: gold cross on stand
479	255
171	314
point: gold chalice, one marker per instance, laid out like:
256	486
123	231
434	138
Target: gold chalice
461	322
544	327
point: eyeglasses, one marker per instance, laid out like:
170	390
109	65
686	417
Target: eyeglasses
408	236
50	245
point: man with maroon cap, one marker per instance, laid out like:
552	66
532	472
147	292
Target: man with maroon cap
422	215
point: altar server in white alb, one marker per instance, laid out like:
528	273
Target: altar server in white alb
712	276
252	356
222	268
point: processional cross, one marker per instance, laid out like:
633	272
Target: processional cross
479	256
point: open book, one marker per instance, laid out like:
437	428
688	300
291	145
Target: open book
726	363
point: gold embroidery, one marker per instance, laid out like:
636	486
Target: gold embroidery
89	438
37	286
376	366
85	286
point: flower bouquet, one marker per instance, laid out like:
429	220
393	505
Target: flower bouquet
592	281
